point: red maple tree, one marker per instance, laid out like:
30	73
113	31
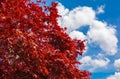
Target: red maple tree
34	46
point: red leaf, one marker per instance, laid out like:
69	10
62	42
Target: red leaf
34	46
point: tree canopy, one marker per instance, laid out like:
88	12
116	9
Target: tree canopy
34	46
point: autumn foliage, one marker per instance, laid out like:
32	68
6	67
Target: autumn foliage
34	46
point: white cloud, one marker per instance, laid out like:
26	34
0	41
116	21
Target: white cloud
77	35
100	9
62	10
115	76
104	35
75	18
100	32
94	63
117	64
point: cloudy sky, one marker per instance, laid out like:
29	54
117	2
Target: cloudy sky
98	21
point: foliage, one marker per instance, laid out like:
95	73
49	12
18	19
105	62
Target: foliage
32	44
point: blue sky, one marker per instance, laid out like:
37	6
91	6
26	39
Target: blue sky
99	22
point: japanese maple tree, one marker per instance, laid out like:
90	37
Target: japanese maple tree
34	46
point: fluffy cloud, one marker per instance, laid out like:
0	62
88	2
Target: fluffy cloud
117	64
100	32
100	9
75	18
115	76
77	35
104	35
94	63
